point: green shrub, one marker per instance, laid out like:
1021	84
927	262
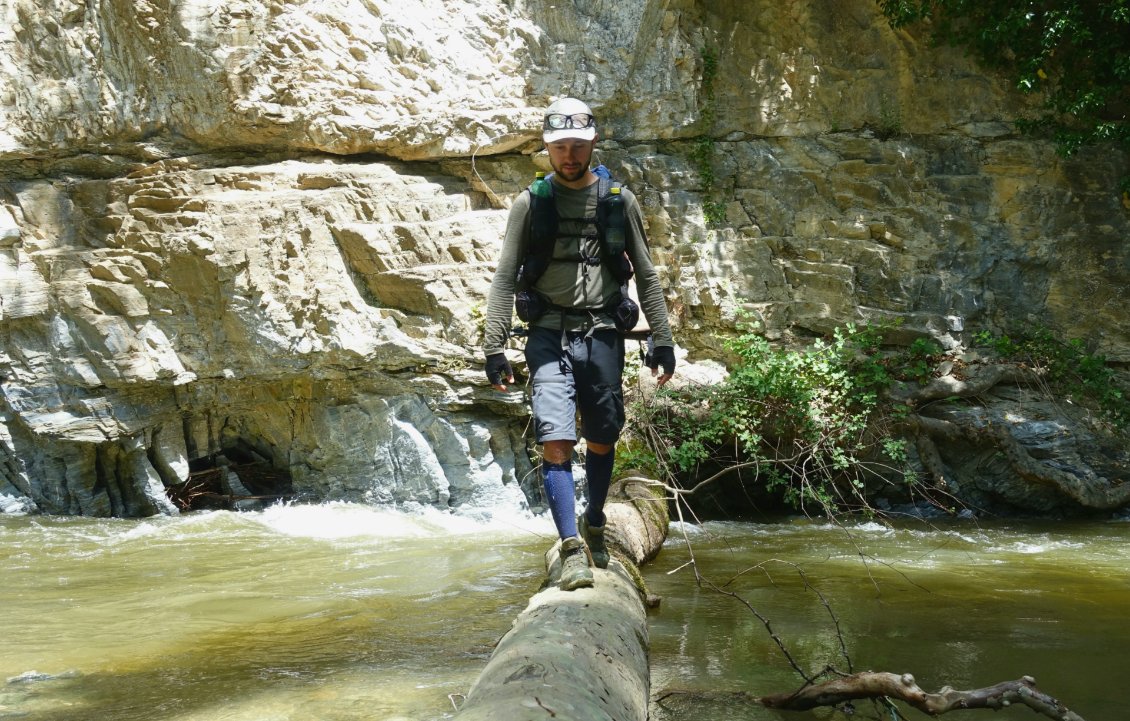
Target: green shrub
918	361
1075	54
703	148
806	418
1071	370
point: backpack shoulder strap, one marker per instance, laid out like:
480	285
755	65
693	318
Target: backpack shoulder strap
543	218
542	224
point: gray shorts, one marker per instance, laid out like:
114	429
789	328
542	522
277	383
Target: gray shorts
585	375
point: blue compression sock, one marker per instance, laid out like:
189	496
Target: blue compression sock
560	491
598	471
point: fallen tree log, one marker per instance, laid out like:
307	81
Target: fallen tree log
581	655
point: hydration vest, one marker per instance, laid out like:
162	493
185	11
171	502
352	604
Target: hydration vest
543	225
543	234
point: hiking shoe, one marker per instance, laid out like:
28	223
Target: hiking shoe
575	571
594	537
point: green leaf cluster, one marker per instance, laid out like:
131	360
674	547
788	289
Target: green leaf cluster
918	361
809	419
702	151
1071	370
1075	52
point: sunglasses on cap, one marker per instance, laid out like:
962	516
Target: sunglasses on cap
559	121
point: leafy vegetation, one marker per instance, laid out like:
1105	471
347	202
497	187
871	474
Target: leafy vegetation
819	427
890	120
1071	370
702	152
1076	53
810	421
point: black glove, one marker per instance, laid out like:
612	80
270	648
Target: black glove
499	370
662	355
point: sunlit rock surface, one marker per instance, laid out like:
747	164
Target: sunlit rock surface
264	231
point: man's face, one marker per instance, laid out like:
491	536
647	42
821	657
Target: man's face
570	158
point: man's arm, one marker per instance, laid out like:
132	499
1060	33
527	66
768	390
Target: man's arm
500	301
652	297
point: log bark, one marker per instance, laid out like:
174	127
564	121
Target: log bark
581	655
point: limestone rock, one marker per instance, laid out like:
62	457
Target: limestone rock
301	307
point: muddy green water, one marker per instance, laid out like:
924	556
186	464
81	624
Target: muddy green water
959	604
341	612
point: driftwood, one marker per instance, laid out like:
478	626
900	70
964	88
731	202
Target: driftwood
581	655
881	685
950	386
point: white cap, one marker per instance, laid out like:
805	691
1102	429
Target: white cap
568	106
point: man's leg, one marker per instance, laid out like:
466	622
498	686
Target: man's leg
599	459
601	400
560	491
554	402
557	465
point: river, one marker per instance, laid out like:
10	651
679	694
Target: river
341	612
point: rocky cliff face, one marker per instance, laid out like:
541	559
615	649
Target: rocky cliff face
252	239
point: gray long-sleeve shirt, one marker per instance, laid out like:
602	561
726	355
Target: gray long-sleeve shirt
568	283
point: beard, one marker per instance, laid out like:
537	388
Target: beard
570	176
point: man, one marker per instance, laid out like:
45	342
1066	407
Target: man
574	351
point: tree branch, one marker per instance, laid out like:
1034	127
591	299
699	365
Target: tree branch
883	685
952	387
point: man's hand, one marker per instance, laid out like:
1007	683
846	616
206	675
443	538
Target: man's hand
499	372
661	356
